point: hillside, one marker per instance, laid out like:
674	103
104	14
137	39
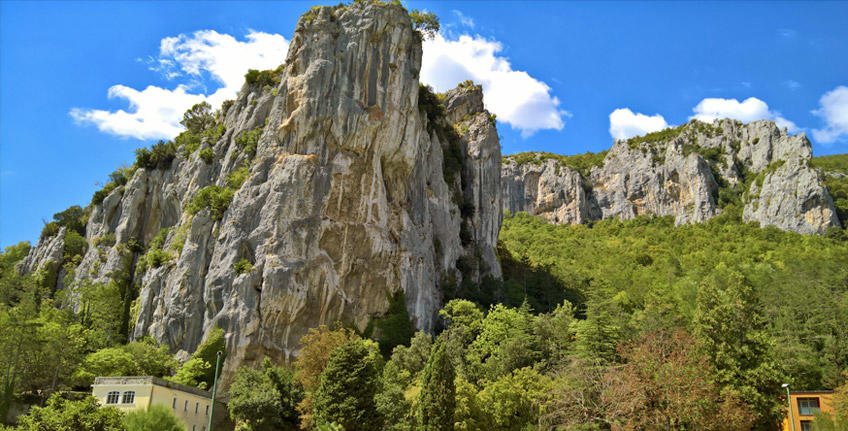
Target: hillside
693	172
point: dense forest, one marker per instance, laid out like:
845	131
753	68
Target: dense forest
635	324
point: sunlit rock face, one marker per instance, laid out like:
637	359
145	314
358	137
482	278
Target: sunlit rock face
346	200
685	173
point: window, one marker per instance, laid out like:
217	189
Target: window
112	397
174	404
196	407
129	397
806	425
185	408
808	406
207	409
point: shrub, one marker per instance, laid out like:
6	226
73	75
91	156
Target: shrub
207	155
237	178
157	417
75	245
159	156
243	266
157	258
217	199
101	194
49	229
188	141
248	141
263	78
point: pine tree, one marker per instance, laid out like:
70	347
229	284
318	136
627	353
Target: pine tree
348	385
438	394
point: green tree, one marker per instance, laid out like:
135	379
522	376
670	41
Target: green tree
157	417
198	118
438	394
265	399
732	333
60	414
348	386
199	370
427	23
514	401
316	347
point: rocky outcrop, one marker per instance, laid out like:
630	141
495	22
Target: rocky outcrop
691	172
329	188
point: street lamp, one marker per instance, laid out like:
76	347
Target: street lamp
215	388
789	400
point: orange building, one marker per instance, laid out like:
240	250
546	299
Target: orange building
805	404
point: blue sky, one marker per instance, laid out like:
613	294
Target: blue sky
554	72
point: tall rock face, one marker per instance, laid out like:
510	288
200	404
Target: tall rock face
690	172
328	188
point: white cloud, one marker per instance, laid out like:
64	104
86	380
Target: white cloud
750	109
155	112
624	123
833	108
463	19
517	98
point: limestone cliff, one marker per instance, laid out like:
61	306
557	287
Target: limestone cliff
324	188
690	172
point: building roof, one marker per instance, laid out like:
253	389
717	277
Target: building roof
820	392
146	380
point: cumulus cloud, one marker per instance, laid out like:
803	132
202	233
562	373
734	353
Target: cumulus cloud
205	55
750	109
518	99
833	108
624	123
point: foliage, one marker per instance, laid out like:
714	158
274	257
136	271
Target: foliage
835	178
265	399
666	383
248	141
243	266
395	328
639	274
238	177
75	246
263	78
198	118
347	389
582	163
732	333
437	397
199	370
61	415
315	350
426	23
207	155
138	358
832	163
156	417
216	199
159	156
514	401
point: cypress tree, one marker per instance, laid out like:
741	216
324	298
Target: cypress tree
348	385
438	394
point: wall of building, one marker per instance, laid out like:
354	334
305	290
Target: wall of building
825	405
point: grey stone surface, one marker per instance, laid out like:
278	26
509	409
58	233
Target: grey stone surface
345	204
672	177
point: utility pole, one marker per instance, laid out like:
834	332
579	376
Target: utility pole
215	390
